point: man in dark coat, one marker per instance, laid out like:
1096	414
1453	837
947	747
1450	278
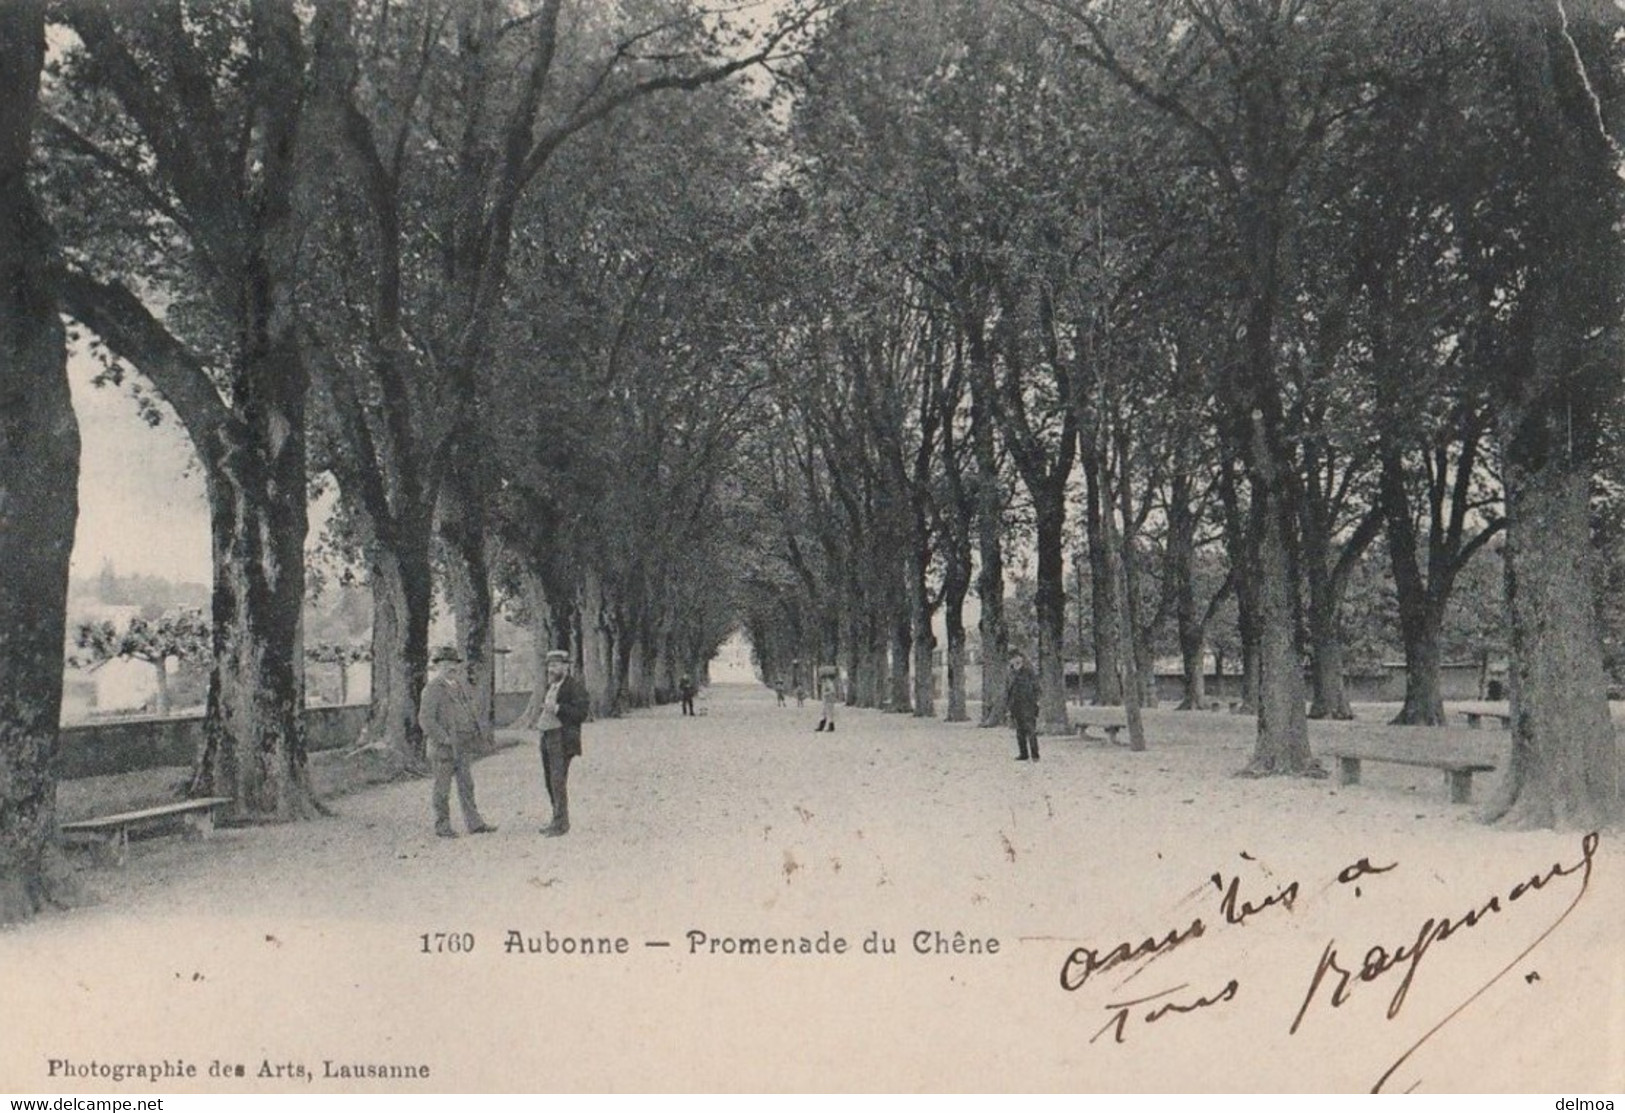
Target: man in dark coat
451	730
563	711
1021	698
686	692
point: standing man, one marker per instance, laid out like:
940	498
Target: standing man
1021	698
685	690
564	709
829	688
451	730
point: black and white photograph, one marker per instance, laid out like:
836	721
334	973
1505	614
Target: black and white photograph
812	546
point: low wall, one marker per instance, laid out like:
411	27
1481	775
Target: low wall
1170	687
124	745
1456	682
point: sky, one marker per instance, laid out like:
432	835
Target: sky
141	496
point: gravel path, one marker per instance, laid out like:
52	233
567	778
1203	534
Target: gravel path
695	839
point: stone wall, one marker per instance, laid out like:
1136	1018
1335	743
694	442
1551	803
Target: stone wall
124	745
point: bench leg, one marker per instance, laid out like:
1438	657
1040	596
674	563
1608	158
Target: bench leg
109	849
199	825
1348	770
1461	785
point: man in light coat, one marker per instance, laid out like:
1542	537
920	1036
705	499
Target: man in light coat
451	731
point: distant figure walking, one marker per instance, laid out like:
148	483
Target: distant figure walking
1021	698
564	709
685	692
451	730
829	689
801	696
778	690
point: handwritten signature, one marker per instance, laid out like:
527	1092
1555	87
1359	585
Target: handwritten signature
1334	979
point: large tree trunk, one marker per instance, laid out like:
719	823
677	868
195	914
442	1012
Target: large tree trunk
898	698
1050	603
1103	593
402	595
254	744
1328	563
641	633
1282	744
1139	650
1116	554
639	675
1192	660
860	674
989	494
923	641
666	670
955	587
1329	694
1419	623
1191	625
1424	695
1241	563
542	641
1258	438
1564	769
597	646
253	457
468	584
879	652
254	741
39	495
1251	663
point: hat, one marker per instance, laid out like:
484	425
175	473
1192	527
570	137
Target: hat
558	655
445	653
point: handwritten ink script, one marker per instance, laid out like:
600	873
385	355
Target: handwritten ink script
1342	968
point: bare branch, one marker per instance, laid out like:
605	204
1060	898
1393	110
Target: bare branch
135	335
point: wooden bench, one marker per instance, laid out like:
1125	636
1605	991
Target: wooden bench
108	835
1475	719
1458	775
1112	731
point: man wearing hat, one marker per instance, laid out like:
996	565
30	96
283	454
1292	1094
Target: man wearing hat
829	688
564	709
451	730
1021	699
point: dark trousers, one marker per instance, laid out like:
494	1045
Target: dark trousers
1027	735
556	776
688	705
451	764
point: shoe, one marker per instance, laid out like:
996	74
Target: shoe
819	728
483	829
1035	755
1021	757
554	832
445	832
